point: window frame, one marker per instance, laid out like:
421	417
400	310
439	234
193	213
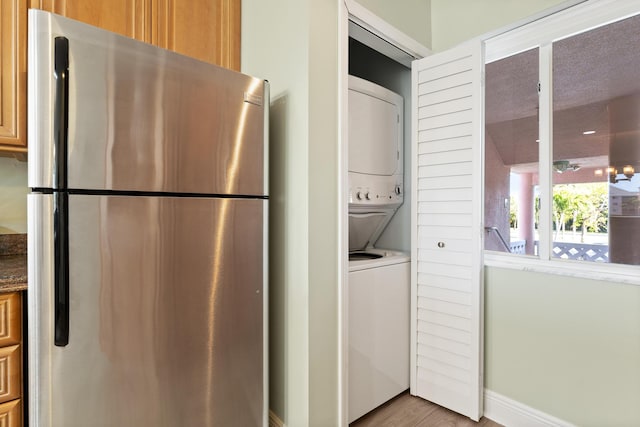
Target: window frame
542	34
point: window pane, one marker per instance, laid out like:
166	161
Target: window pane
596	144
511	153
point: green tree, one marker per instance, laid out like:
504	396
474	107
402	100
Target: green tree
580	205
562	207
513	212
595	208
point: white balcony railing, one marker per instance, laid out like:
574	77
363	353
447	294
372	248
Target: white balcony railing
518	247
579	251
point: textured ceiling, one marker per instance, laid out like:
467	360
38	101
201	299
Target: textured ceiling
590	70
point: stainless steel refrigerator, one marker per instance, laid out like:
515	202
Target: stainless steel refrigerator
147	234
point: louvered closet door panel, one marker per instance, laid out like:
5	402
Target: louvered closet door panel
447	293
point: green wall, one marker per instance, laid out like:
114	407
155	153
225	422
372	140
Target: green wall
566	346
294	45
13	196
413	17
453	22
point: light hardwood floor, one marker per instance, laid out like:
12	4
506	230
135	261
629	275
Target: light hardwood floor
409	411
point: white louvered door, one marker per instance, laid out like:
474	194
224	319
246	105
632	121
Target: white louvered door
446	228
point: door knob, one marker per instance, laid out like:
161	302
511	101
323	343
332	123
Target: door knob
441	244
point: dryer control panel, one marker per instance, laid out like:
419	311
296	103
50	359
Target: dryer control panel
375	191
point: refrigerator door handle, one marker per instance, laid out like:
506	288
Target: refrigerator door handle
61	198
61	112
61	266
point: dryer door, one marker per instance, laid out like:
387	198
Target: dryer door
375	133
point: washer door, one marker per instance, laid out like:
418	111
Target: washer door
365	228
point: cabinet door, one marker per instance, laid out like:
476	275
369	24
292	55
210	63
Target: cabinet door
10	373
13	76
10	318
10	414
126	17
208	30
447	257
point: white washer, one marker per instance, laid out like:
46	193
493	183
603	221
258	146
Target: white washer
378	330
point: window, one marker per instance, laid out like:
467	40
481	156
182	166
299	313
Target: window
562	166
511	152
596	144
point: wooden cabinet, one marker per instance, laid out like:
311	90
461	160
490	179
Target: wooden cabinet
126	17
13	78
10	319
10	373
11	379
11	413
205	29
208	30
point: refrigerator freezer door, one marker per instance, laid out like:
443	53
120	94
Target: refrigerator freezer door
166	315
141	118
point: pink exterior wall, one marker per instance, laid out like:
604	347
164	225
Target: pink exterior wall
525	212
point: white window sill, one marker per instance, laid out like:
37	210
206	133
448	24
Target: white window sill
619	273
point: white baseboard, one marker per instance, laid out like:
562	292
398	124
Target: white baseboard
510	413
274	421
497	408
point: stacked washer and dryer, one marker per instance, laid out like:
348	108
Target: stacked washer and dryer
379	285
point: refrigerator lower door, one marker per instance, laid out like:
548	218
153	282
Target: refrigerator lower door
166	314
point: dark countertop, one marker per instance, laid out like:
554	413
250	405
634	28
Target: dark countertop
13	262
